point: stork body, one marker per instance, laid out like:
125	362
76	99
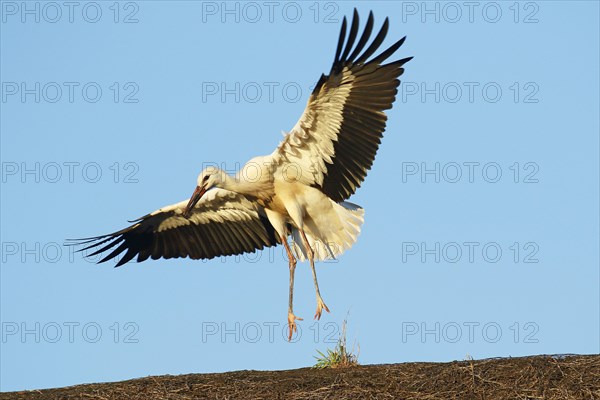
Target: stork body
298	192
320	228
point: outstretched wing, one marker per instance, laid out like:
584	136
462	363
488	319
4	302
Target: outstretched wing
335	141
222	223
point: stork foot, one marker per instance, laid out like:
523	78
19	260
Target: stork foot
320	306
292	324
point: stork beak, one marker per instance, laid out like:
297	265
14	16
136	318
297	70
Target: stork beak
196	196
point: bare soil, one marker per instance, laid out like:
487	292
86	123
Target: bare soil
537	377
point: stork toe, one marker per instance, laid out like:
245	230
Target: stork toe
292	324
320	306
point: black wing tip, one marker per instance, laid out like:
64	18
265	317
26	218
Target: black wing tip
98	244
87	243
80	241
351	38
133	221
379	38
124	260
401	62
345	44
341	40
384	55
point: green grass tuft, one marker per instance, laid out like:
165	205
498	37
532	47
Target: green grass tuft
339	357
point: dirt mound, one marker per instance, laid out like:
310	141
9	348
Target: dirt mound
536	377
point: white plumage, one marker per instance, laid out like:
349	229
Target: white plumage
299	191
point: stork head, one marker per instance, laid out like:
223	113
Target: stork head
209	178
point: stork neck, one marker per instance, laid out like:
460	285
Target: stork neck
238	185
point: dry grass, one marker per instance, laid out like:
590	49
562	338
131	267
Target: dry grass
536	377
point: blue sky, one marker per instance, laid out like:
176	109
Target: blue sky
481	233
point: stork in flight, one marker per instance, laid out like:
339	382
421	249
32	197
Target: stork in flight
301	187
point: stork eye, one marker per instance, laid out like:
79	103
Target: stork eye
205	179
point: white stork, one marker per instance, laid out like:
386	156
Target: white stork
302	186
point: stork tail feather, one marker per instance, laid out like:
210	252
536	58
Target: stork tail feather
328	244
